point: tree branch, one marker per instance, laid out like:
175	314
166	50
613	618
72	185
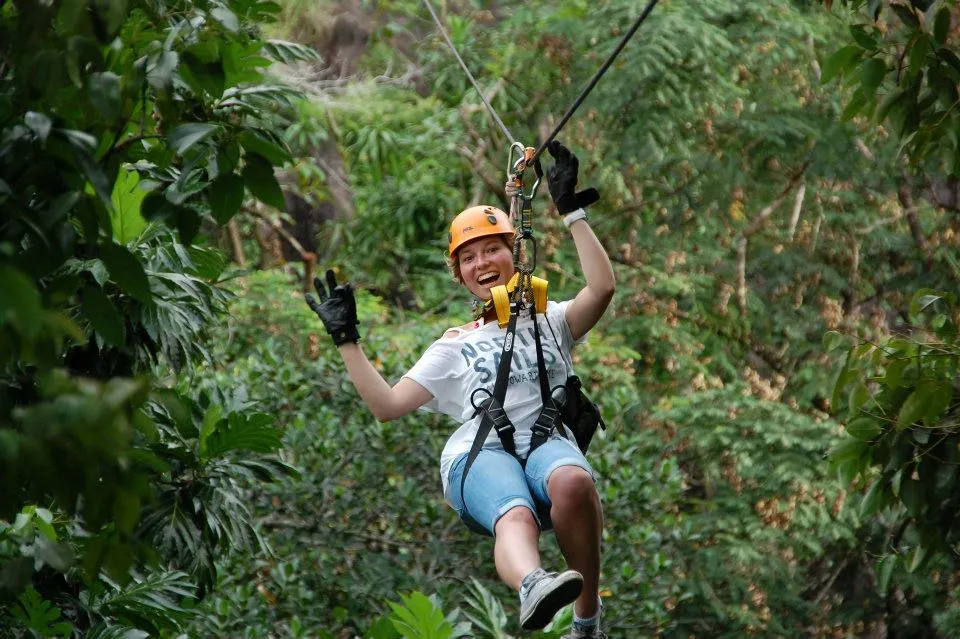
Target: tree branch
910	212
284	233
797	208
755	226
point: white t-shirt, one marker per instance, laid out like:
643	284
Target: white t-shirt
453	367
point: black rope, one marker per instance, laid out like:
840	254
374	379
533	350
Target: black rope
476	86
596	78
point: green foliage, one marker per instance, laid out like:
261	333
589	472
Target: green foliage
117	119
150	602
489	617
900	397
122	493
419	617
715	132
39	616
407	187
903	66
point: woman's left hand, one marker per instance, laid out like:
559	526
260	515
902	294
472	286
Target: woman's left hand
562	181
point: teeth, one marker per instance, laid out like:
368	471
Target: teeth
486	277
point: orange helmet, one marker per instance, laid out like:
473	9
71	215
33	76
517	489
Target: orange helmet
478	221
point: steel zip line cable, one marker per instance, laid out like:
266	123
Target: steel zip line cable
476	86
596	78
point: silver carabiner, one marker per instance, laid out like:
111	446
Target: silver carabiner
517	168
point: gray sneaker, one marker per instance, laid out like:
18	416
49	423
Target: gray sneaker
587	632
579	632
548	594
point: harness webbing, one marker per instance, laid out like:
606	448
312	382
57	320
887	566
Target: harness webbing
493	413
549	416
494	416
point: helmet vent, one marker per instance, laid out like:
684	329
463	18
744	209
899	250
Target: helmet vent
491	218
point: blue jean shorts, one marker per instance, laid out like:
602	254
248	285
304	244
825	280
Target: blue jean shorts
497	483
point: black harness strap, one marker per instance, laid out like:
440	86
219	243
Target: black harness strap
494	415
549	417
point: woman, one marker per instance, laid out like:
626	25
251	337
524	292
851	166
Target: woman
554	487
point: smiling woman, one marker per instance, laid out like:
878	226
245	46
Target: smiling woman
513	490
480	250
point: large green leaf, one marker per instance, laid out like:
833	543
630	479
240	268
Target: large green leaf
226	17
913	408
864	428
840	62
103	315
103	631
419	618
873	499
39	123
106	94
185	136
225	196
288	52
939	398
242	432
872	73
127	271
885	572
259	178
127	197
941	26
19	302
256	142
203	76
161	68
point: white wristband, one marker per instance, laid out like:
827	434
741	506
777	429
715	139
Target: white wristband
570	218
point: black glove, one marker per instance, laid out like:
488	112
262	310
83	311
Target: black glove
337	309
562	181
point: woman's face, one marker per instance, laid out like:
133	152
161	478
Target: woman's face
484	263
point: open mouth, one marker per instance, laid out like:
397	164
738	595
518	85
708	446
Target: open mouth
488	278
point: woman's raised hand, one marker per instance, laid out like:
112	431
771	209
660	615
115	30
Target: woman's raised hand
337	309
562	181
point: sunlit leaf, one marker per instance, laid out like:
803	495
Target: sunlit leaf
127	197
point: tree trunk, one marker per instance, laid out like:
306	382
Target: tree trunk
236	243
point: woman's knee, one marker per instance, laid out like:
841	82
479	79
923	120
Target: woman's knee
571	486
518	516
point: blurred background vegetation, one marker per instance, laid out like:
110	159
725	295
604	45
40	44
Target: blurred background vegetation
182	454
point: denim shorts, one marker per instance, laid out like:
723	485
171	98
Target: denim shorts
497	483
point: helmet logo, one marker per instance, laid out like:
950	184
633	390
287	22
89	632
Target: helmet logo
492	219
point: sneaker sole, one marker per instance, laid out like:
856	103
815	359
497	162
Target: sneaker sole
565	593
